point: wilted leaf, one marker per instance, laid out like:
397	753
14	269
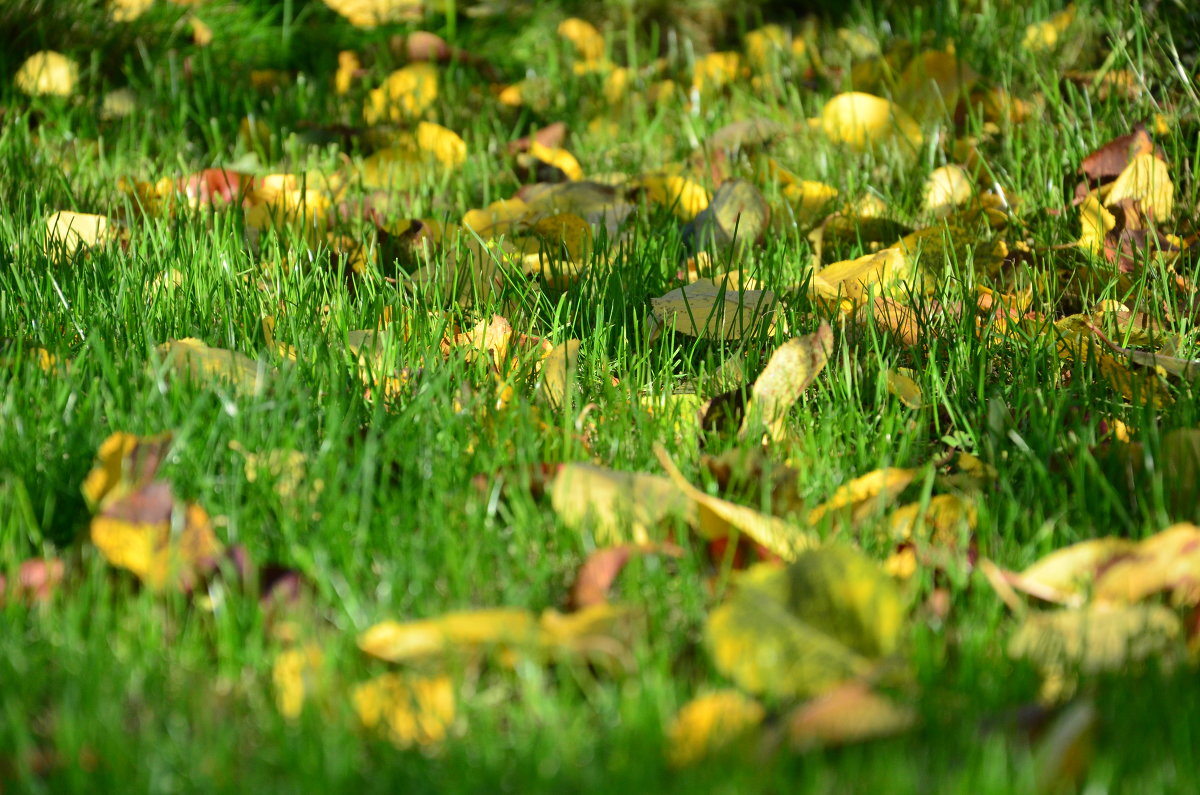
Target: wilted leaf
718	518
618	507
1107	162
886	271
191	359
47	73
167	544
1146	181
848	714
738	213
411	710
862	121
711	724
124	464
1065	752
710	311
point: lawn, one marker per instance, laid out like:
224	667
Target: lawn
615	397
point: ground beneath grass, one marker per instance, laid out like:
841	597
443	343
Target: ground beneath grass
481	398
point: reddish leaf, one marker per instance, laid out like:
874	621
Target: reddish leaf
601	569
36	581
551	136
213	183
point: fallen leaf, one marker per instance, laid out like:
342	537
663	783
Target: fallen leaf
864	495
1043	36
790	370
947	188
707	310
191	359
406	94
711	724
907	390
618	507
558	372
738	213
125	463
862	121
411	710
597	574
1146	181
680	195
47	73
35	580
370	13
68	233
588	42
295	678
850	713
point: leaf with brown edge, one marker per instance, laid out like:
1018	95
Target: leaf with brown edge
597	574
718	518
737	214
166	543
124	464
1109	160
551	136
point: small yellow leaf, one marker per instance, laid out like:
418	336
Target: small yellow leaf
716	69
887	271
588	41
202	34
561	159
558	372
444	144
947	188
905	388
411	710
498	218
619	507
711	724
406	94
862	120
68	233
293	675
1097	222
349	67
809	201
682	196
945	518
369	13
47	73
460	632
1044	35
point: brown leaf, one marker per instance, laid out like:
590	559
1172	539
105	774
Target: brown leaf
1109	160
550	136
600	570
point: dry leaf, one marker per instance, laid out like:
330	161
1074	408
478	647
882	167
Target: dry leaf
191	359
791	369
600	570
864	495
125	463
682	196
710	311
588	42
369	13
1146	181
618	507
47	73
406	94
558	372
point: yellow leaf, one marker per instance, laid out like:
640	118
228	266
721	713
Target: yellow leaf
411	710
349	67
445	145
293	675
406	94
1146	181
709	311
118	103
583	35
558	372
138	532
47	73
682	196
945	518
947	188
715	70
619	507
887	272
902	385
864	495
498	218
459	632
862	120
718	518
202	34
68	233
764	43
1044	35
809	201
851	713
124	464
369	13
1097	222
711	724
1168	561
191	359
561	159
932	84
790	370
128	10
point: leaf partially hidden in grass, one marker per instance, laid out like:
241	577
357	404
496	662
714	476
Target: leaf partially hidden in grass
707	310
68	233
863	495
718	518
370	13
682	196
405	95
597	574
826	619
791	369
712	724
947	188
1043	36
862	121
618	507
295	676
558	373
191	359
169	545
410	710
1146	181
850	713
125	463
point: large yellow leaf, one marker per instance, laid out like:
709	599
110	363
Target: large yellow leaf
1167	562
47	73
413	710
710	724
710	311
718	518
862	121
442	143
618	507
886	272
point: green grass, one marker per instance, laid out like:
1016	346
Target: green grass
154	693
